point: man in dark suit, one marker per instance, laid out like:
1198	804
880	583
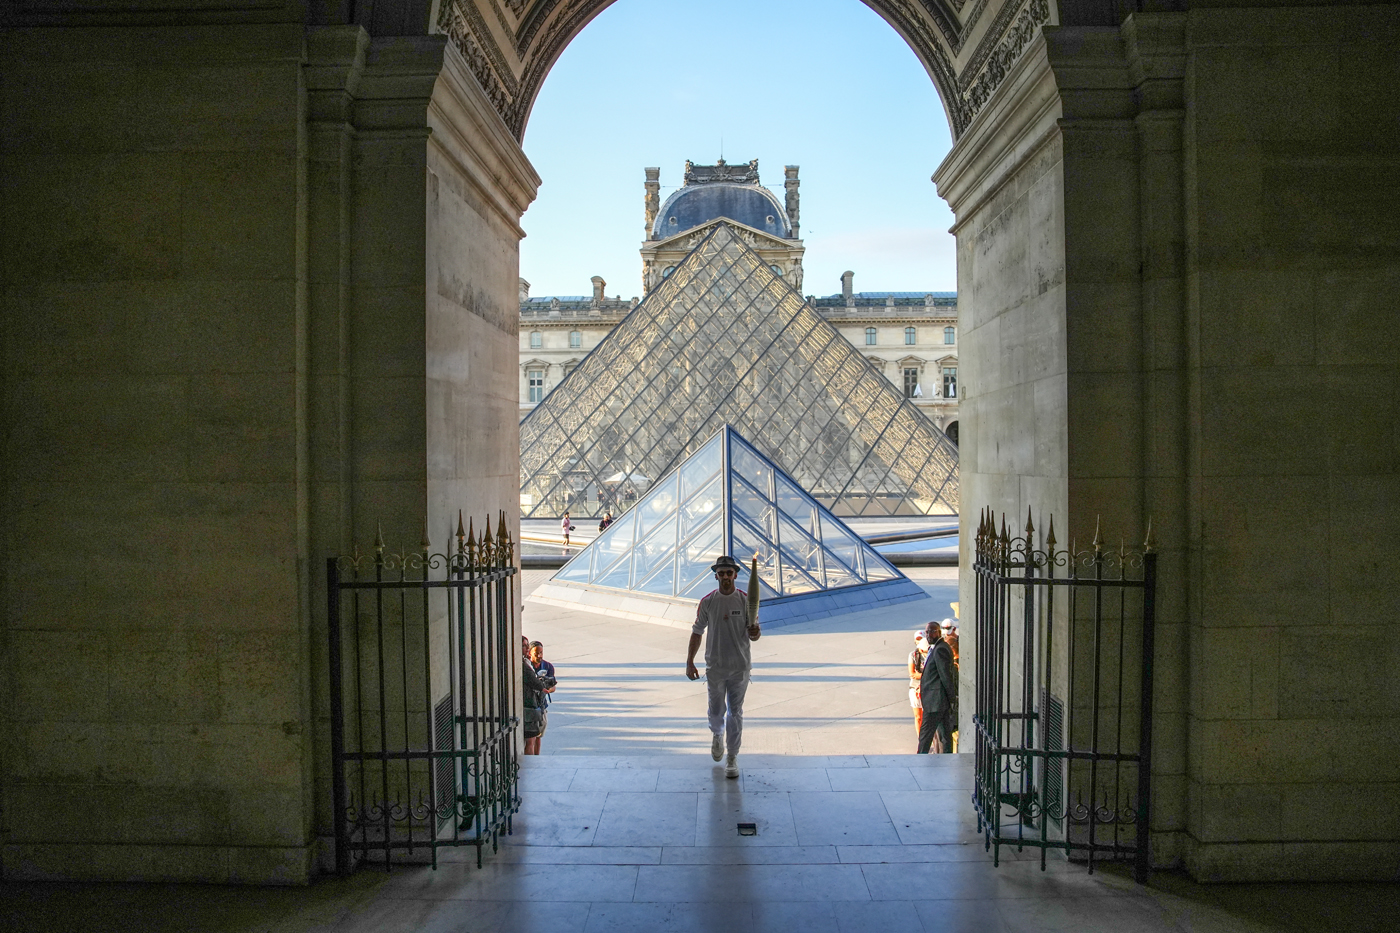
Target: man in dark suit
937	688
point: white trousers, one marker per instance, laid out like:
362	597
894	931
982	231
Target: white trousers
726	711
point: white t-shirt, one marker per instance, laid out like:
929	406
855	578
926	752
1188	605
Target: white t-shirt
727	619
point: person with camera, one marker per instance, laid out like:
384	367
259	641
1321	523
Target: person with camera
537	689
731	624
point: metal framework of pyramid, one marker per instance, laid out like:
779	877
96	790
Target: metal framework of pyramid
725	340
727	498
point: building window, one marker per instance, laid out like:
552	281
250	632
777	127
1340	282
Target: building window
775	270
870	336
950	382
536	379
536	340
909	336
952	432
950	336
911	383
666	272
575	339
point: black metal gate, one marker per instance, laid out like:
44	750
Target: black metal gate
424	684
1064	696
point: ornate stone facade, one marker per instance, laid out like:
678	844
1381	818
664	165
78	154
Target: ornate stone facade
911	337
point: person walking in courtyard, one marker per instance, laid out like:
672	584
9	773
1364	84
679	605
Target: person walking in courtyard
729	625
937	692
607	520
566	526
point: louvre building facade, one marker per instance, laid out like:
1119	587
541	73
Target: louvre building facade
724	338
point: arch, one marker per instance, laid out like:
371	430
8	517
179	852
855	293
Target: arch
965	46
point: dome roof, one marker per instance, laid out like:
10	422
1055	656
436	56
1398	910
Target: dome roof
693	205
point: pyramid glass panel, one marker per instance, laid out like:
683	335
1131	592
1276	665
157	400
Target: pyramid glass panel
666	544
724	340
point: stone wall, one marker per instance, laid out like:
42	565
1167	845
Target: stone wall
259	299
155	675
1166	233
1293	233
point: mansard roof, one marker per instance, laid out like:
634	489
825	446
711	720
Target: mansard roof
721	190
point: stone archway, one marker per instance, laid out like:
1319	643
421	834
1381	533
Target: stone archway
260	269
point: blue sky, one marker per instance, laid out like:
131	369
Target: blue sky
824	84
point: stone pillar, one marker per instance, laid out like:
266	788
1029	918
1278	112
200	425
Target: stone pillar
653	198
790	182
245	322
848	286
1142	225
156	320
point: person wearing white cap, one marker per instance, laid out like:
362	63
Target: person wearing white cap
726	616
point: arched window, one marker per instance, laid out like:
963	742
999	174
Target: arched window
575	339
775	270
909	335
952	431
950	336
666	272
536	340
870	336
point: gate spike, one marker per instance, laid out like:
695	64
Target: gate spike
1050	538
1030	526
1005	538
1098	543
460	535
379	538
426	542
1149	545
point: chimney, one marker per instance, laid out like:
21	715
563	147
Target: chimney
598	286
791	184
847	286
653	198
524	291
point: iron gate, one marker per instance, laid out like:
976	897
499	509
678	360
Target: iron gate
1064	696
424	684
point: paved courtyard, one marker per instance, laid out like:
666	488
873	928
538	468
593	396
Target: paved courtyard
627	826
832	687
630	844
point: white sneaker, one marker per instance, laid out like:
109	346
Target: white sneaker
717	747
731	767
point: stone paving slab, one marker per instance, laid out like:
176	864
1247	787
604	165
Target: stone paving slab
844	861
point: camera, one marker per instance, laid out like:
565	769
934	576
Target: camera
549	682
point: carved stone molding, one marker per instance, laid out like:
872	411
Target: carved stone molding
988	68
462	23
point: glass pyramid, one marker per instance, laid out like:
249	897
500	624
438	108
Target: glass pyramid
727	498
724	340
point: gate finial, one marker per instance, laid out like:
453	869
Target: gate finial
379	538
1098	542
427	542
1149	545
1050	538
1030	526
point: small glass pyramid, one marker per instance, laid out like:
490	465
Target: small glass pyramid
725	340
727	498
